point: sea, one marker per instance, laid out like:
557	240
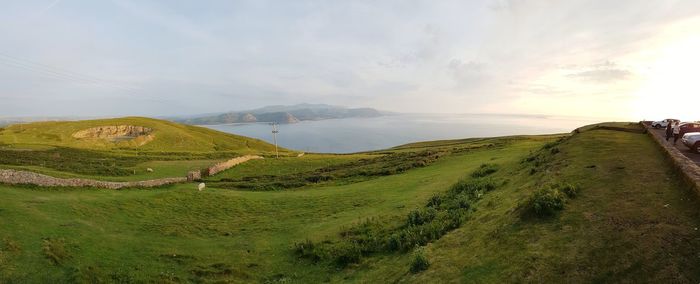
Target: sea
351	135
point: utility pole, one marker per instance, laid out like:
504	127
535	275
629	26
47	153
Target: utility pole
274	137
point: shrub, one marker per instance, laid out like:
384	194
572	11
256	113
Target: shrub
420	261
547	201
570	190
421	216
435	201
550	145
305	249
485	170
347	253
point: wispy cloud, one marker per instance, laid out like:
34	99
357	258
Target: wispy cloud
602	73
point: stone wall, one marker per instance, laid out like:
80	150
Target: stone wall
24	177
688	169
194	175
229	164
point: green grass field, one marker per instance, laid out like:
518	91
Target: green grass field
632	219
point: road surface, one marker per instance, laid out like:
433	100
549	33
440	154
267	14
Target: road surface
679	145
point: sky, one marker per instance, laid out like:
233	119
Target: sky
623	59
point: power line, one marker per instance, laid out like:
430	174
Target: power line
58	73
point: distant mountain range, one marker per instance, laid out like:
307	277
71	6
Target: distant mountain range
282	114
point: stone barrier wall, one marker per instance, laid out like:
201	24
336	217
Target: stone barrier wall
24	177
215	169
686	166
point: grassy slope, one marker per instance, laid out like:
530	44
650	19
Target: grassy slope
618	228
633	221
170	136
248	233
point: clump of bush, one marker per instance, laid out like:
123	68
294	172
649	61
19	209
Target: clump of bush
420	261
549	200
570	190
485	170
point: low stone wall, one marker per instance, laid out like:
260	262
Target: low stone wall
220	167
686	166
24	177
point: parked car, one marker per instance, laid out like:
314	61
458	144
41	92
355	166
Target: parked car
663	123
692	140
687	127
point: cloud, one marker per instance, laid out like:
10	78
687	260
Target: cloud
446	56
602	73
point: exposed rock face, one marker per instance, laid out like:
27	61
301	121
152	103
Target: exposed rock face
248	117
142	135
113	132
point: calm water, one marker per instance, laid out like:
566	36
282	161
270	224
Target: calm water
363	134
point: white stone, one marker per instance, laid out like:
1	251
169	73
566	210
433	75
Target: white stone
201	186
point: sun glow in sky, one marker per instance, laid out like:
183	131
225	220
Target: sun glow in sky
625	59
671	85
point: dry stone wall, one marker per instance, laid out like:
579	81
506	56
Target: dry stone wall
24	177
215	169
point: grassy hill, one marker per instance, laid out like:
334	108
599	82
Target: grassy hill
168	137
615	212
170	150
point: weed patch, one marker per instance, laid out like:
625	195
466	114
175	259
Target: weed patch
55	250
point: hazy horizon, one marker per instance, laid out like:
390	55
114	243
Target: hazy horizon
594	59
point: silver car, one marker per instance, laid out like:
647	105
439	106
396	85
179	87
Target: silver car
692	140
663	123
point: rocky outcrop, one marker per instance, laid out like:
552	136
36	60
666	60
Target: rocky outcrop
117	132
24	177
220	167
248	117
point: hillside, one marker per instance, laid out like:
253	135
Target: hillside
282	114
162	136
615	212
